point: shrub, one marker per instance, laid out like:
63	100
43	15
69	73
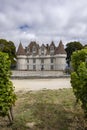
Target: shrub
7	95
79	77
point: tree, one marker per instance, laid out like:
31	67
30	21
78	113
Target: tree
79	77
7	95
70	48
9	47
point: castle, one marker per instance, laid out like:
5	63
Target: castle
41	58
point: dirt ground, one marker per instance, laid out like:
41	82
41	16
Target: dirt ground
39	84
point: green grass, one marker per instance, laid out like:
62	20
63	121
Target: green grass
46	110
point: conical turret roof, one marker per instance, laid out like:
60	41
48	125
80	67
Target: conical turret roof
60	49
21	50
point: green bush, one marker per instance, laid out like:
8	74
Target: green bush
7	95
79	77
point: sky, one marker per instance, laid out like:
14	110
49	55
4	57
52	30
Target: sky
43	21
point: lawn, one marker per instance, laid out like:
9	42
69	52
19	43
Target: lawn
46	110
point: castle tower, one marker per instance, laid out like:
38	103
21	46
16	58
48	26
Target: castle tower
21	58
60	57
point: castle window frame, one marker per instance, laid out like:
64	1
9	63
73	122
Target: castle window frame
42	50
27	67
28	50
34	67
52	67
42	67
52	50
34	60
42	60
52	60
27	60
34	49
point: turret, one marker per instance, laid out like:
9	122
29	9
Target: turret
60	54
21	58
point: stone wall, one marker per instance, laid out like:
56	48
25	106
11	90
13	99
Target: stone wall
38	74
28	63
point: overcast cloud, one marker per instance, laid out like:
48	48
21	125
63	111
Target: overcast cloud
43	21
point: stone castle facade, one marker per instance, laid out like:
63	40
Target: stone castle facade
45	57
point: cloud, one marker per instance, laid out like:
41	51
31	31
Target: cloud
43	21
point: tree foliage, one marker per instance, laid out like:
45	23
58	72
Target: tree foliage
7	95
8	47
70	48
79	77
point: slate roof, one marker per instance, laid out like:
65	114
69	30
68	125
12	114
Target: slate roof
60	49
57	50
21	50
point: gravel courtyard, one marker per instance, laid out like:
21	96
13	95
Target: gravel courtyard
39	84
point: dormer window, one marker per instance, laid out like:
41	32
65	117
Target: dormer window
34	50
52	50
28	50
42	50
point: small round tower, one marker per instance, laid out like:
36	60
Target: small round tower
21	58
60	55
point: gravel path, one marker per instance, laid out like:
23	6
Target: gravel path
39	84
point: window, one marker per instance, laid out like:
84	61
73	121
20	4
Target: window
34	49
42	50
34	60
28	50
34	67
52	50
27	60
42	67
52	67
42	53
42	60
27	67
51	60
